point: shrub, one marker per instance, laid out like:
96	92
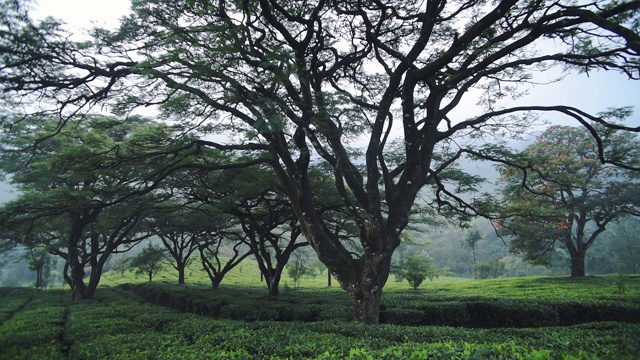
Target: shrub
621	283
297	269
492	268
415	269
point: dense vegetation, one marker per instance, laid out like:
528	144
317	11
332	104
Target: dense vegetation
120	324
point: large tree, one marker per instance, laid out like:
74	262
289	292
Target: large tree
273	233
300	80
562	194
263	217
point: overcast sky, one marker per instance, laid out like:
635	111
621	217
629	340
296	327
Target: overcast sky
594	93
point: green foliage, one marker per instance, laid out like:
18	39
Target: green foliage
492	268
116	324
34	329
416	268
297	270
149	261
531	302
621	283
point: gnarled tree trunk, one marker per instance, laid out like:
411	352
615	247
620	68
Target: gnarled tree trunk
366	288
577	264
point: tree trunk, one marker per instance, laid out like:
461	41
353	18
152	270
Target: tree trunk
181	269
273	282
365	286
274	288
366	306
578	248
215	281
328	278
475	263
76	281
79	290
39	277
577	264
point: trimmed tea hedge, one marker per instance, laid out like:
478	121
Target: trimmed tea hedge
34	327
118	325
399	308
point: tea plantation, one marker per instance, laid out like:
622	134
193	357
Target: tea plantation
520	318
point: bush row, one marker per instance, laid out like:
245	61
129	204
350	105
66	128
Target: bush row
119	325
510	313
246	304
13	299
401	309
156	333
35	328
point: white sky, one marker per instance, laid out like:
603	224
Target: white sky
595	93
83	13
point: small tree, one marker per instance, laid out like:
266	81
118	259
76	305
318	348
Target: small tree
492	268
149	261
41	262
471	239
120	264
297	270
416	269
626	244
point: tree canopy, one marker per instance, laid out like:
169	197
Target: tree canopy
564	195
85	188
301	81
149	261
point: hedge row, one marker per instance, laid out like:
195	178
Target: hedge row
398	310
35	327
246	304
510	313
118	325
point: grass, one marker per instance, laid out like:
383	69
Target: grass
248	274
590	288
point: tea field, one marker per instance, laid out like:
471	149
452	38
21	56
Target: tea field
520	318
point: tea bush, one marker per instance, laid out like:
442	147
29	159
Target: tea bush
34	327
11	300
120	324
413	308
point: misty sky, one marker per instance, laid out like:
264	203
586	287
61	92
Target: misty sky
594	93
